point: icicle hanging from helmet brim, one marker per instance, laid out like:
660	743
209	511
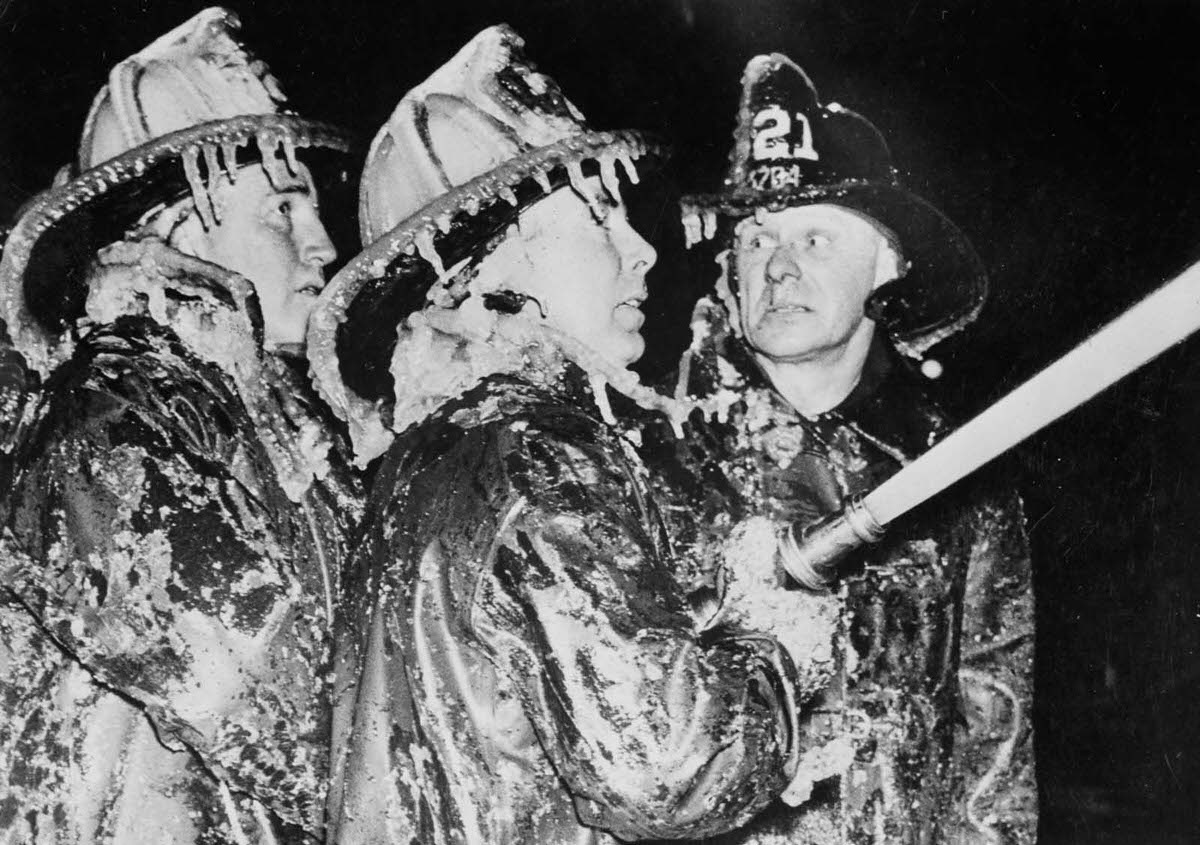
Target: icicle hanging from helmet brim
608	177
202	199
699	224
214	176
422	240
277	149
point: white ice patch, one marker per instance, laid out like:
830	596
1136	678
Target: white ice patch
630	170
693	229
425	248
753	599
818	764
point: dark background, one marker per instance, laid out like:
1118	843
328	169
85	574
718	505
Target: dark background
1064	137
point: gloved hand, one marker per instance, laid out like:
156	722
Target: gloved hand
753	600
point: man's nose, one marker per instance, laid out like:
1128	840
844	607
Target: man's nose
637	255
783	264
312	240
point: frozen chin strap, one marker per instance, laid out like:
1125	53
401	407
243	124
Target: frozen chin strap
725	290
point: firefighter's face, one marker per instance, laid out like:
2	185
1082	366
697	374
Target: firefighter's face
273	235
803	277
587	267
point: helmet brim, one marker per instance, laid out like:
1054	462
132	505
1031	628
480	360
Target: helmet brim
45	261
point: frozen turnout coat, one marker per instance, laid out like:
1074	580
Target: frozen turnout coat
520	666
924	733
169	571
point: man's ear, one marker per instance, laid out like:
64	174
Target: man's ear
887	263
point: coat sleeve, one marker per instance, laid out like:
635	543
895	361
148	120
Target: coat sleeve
657	730
995	754
138	551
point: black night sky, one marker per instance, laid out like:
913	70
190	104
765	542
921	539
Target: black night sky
1062	135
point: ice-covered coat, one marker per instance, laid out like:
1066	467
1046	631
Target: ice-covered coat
924	734
521	666
14	394
169	568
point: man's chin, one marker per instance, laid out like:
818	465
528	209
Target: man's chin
624	352
783	345
634	349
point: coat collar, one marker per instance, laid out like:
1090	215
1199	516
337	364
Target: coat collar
214	315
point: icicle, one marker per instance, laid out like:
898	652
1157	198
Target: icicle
289	154
709	219
575	176
608	177
260	815
229	153
600	393
424	241
692	231
543	179
677	418
268	144
446	275
191	169
575	112
214	173
630	171
506	194
231	813
271	83
580	186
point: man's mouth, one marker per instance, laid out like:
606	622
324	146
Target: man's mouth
312	289
629	314
789	308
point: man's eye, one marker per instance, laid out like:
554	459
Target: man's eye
762	241
279	211
818	240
